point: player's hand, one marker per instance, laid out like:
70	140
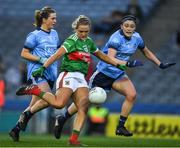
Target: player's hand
121	66
134	63
39	72
166	65
42	60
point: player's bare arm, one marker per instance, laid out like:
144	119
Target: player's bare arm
60	52
28	56
106	58
150	55
112	54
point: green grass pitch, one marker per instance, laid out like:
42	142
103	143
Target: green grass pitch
93	141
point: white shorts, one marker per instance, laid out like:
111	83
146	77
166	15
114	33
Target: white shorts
72	80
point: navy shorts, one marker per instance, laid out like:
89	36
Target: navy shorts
101	80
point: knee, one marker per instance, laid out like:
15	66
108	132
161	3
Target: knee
83	106
131	96
60	103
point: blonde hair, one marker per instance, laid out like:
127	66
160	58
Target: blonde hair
43	13
81	20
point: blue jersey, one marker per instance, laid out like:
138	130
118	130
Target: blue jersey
125	49
42	44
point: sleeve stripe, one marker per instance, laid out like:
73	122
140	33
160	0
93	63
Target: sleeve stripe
65	48
28	48
97	49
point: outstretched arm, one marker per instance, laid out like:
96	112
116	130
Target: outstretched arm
151	56
112	56
134	63
108	59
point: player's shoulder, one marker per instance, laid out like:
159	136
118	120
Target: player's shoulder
89	40
33	33
116	36
53	31
39	31
71	40
73	37
116	33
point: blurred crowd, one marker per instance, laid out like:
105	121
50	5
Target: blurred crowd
13	76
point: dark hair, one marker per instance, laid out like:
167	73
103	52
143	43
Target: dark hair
81	20
129	17
43	13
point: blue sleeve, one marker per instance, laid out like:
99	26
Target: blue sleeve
113	43
30	42
141	43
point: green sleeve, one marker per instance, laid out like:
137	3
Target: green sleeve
93	47
68	45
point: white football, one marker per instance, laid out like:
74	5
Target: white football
97	95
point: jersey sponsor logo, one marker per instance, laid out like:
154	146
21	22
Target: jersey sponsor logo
82	56
130	45
50	49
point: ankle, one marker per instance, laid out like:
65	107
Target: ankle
16	128
28	114
122	121
74	136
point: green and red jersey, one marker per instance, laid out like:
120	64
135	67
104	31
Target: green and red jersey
77	57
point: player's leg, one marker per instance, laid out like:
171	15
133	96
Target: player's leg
39	106
58	100
15	131
61	119
74	84
81	102
23	120
95	80
126	88
62	93
27	114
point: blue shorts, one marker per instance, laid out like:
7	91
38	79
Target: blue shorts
101	80
40	80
